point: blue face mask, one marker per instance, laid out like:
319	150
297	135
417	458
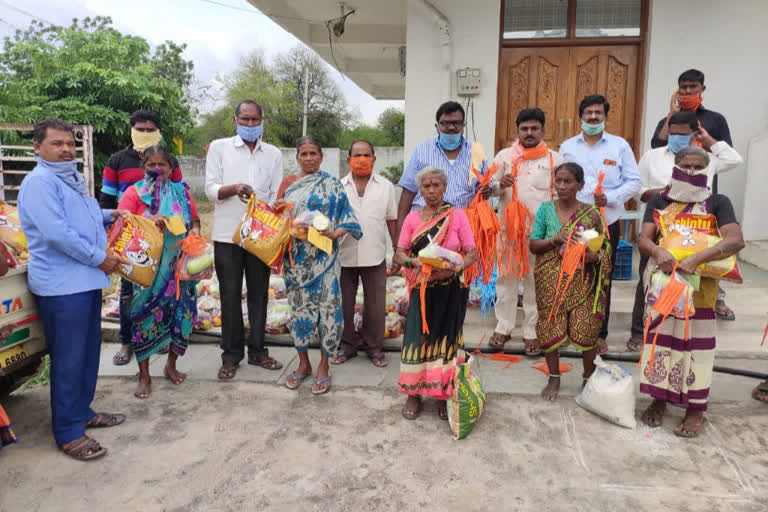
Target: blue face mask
677	142
250	133
592	129
449	141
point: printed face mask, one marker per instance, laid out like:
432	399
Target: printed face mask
361	165
592	129
677	142
250	133
144	140
449	141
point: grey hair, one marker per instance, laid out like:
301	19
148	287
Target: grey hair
428	171
691	151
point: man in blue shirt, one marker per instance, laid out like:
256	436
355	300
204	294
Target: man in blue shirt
449	151
595	150
68	267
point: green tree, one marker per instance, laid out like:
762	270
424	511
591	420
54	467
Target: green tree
392	123
89	73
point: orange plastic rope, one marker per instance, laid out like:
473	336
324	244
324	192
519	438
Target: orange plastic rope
575	254
543	368
518	222
765	335
599	190
485	229
426	273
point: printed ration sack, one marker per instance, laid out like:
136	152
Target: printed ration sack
685	234
263	231
139	242
467	400
610	394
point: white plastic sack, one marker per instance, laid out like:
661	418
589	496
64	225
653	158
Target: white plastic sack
610	393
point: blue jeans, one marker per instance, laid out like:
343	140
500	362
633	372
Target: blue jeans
126	294
72	327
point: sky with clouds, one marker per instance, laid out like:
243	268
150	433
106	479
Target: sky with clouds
217	37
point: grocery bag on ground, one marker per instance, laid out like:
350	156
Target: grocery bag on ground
467	400
139	243
610	393
263	231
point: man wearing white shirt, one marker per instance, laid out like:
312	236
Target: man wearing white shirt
595	150
656	170
372	198
235	168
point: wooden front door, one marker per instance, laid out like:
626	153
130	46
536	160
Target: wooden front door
556	79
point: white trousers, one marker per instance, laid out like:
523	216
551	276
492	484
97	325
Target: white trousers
506	304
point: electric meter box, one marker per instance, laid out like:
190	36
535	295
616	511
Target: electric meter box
468	81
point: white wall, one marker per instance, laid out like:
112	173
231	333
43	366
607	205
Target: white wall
475	43
728	42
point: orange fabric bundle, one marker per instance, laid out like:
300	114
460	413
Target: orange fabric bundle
485	228
668	298
575	253
599	190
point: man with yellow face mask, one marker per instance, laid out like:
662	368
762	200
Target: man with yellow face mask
122	171
372	199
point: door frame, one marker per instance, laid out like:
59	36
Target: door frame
640	41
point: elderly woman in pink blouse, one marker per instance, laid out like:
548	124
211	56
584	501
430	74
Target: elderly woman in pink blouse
428	360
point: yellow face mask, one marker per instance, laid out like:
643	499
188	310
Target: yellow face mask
144	140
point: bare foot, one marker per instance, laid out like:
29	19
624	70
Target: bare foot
691	424
174	375
653	415
549	393
145	387
412	407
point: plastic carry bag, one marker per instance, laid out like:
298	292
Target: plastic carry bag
659	280
301	223
685	234
263	231
440	257
278	316
466	403
12	235
139	242
610	393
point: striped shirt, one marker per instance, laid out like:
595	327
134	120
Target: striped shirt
460	190
123	169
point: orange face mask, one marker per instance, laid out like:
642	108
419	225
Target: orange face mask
690	101
361	165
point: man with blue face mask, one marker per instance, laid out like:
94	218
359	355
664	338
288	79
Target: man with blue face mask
655	169
447	150
236	168
596	151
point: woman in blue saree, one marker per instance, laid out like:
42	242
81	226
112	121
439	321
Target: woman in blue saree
311	275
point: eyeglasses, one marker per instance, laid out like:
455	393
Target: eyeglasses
448	124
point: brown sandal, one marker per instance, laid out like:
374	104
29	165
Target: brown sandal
227	372
105	420
532	348
269	363
498	340
84	448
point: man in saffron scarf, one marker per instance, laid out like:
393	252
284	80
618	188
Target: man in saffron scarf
535	164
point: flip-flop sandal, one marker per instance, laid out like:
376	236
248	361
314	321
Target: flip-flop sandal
651	413
297	379
269	364
227	373
122	357
341	358
379	360
602	346
79	448
761	388
634	345
725	313
316	382
105	420
531	347
498	340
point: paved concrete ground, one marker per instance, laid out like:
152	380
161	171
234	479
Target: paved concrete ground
252	444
